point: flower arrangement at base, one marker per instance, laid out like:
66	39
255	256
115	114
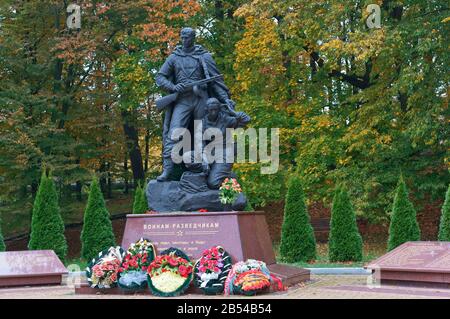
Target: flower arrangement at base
103	270
229	191
133	271
250	277
211	270
170	273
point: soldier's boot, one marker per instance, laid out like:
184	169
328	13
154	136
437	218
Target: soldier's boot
167	170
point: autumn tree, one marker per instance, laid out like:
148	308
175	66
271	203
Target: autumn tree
261	90
360	103
80	100
353	104
143	47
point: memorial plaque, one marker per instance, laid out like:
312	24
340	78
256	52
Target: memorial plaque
243	234
426	263
30	267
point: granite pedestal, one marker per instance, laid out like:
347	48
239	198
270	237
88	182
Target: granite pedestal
30	267
424	264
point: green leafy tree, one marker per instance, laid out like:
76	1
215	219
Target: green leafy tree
297	235
97	233
366	97
2	242
80	100
444	227
345	242
140	205
404	226
47	226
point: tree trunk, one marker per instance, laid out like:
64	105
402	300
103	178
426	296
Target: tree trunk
147	149
125	169
102	179
78	186
132	142
78	189
109	181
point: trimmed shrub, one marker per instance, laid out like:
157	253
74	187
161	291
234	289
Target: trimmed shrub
297	235
345	242
47	226
2	242
248	206
404	226
140	201
444	226
97	234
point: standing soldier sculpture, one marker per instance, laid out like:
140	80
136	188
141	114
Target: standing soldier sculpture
195	86
191	73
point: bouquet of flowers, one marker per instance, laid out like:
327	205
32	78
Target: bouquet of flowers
133	271
229	190
102	271
170	273
211	270
249	278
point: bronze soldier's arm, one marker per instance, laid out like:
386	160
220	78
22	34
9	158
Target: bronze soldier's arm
242	119
239	119
162	79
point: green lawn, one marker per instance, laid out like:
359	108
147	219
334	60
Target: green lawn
371	252
76	262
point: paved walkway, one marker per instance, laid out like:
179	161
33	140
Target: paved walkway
320	287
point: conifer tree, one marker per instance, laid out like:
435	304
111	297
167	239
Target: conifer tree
2	242
404	226
47	226
444	226
345	242
140	205
297	235
97	234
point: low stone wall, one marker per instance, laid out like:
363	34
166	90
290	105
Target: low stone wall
72	234
428	218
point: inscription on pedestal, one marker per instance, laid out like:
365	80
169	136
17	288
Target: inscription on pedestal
192	233
181	235
243	234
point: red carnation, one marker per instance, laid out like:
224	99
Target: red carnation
183	271
173	262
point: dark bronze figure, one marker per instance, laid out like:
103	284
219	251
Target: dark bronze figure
188	63
196	92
